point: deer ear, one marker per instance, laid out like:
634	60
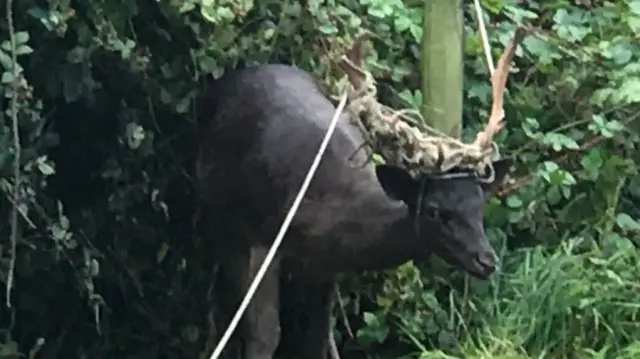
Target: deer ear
501	168
397	182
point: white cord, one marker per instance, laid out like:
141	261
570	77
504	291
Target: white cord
484	37
283	230
485	42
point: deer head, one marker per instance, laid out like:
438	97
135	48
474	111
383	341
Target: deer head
447	208
447	212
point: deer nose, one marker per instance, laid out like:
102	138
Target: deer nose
488	259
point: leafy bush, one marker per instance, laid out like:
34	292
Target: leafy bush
105	247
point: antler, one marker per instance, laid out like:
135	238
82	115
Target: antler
351	63
498	84
405	144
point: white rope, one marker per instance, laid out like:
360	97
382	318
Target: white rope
283	230
484	37
485	41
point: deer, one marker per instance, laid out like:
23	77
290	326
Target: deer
263	126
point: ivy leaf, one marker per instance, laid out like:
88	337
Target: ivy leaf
592	162
402	23
515	216
328	29
376	12
629	91
634	7
5	60
416	32
207	64
514	202
558	142
553	195
23	50
625	222
7	77
22	37
601	125
634	23
619	53
45	168
541	49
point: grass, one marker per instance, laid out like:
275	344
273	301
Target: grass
577	301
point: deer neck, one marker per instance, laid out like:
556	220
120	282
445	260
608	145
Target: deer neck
368	233
377	233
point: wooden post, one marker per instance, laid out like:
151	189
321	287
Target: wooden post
442	77
442	65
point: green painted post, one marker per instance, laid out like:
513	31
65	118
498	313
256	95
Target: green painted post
442	65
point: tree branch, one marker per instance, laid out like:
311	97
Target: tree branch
15	84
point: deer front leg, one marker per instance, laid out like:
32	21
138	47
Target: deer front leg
314	313
260	327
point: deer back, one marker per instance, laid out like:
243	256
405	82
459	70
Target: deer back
262	129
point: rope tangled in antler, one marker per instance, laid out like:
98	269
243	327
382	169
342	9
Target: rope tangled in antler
395	136
392	134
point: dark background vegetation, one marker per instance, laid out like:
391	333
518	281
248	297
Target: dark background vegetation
107	261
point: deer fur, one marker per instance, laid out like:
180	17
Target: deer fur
263	127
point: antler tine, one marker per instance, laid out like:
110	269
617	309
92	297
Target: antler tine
498	84
351	63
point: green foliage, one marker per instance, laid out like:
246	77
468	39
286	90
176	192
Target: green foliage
572	295
106	248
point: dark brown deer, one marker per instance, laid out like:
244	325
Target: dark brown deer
264	126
